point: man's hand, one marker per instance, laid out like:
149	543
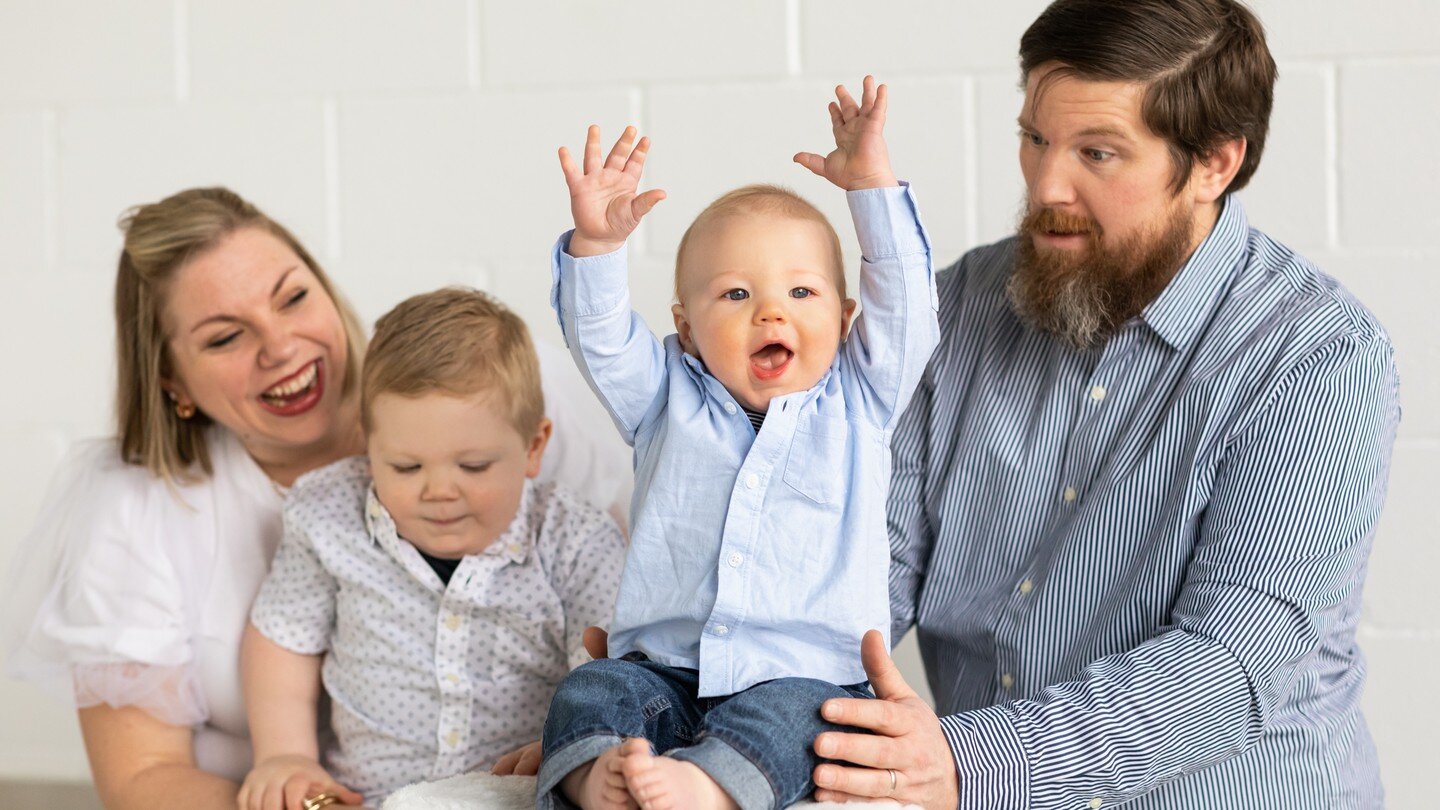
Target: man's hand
860	159
285	782
907	739
603	201
520	762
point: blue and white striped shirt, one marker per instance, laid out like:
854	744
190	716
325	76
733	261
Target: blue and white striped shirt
1136	570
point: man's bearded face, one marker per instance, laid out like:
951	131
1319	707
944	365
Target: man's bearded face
1083	294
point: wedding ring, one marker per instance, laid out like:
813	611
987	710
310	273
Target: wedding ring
893	781
327	799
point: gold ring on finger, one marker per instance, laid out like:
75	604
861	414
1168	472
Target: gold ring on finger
318	801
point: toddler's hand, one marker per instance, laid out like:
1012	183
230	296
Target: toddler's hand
602	197
860	159
284	782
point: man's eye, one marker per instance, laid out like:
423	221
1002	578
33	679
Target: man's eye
223	340
1032	138
475	468
404	469
801	292
736	295
1098	155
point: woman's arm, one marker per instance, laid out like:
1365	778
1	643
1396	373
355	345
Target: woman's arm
142	763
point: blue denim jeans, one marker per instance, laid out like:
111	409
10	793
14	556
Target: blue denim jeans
755	744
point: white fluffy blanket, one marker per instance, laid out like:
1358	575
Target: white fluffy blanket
474	791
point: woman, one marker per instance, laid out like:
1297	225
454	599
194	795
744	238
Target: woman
237	373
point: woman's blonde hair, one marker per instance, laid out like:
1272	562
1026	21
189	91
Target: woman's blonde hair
458	341
160	238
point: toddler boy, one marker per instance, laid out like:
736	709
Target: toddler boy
438	590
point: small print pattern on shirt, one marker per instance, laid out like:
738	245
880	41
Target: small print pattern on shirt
428	680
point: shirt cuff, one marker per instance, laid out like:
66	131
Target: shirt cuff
991	768
887	221
592	285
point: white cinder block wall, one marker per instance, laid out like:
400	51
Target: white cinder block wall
412	145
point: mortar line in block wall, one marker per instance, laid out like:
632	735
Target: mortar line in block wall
793	65
330	113
970	158
472	43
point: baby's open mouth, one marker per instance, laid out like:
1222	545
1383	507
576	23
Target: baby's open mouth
771	360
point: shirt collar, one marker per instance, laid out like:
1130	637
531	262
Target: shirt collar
514	544
1185	305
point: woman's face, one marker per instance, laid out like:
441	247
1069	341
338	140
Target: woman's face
258	346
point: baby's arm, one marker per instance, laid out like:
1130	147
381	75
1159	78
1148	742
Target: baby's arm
282	690
616	352
892	339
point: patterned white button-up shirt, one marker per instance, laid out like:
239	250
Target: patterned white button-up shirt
428	680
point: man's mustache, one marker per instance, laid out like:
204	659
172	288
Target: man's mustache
1050	220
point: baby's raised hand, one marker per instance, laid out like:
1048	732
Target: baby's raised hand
860	159
285	782
603	201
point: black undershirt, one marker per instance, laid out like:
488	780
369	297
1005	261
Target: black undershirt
443	568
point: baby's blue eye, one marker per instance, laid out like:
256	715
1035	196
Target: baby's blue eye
801	292
736	295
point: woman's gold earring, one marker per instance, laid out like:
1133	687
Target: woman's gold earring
184	410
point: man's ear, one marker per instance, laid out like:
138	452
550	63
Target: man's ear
847	314
1212	174
682	330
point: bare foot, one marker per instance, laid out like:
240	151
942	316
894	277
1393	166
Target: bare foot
662	783
600	784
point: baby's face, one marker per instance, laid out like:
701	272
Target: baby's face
760	304
450	470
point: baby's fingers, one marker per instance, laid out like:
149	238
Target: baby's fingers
616	159
811	161
567	165
641	205
636	164
592	148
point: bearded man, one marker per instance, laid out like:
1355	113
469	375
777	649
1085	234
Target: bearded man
1134	497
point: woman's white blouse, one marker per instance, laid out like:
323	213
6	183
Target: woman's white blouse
131	592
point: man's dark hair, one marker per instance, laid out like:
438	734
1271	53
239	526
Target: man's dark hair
1208	74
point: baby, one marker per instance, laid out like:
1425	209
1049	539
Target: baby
439	592
758	555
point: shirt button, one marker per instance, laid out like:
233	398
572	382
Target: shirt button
1097	393
1026	587
721	630
1095	803
452	678
453	738
751	481
514	548
452	621
1006	681
735	560
730	408
1071	494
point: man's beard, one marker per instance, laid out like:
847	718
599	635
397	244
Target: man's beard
1083	296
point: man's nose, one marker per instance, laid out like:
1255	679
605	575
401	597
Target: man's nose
1052	185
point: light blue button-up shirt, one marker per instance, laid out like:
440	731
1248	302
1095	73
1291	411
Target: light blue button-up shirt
758	556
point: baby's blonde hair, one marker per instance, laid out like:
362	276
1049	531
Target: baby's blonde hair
762	199
461	342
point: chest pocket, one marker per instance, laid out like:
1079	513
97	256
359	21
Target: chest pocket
818	465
